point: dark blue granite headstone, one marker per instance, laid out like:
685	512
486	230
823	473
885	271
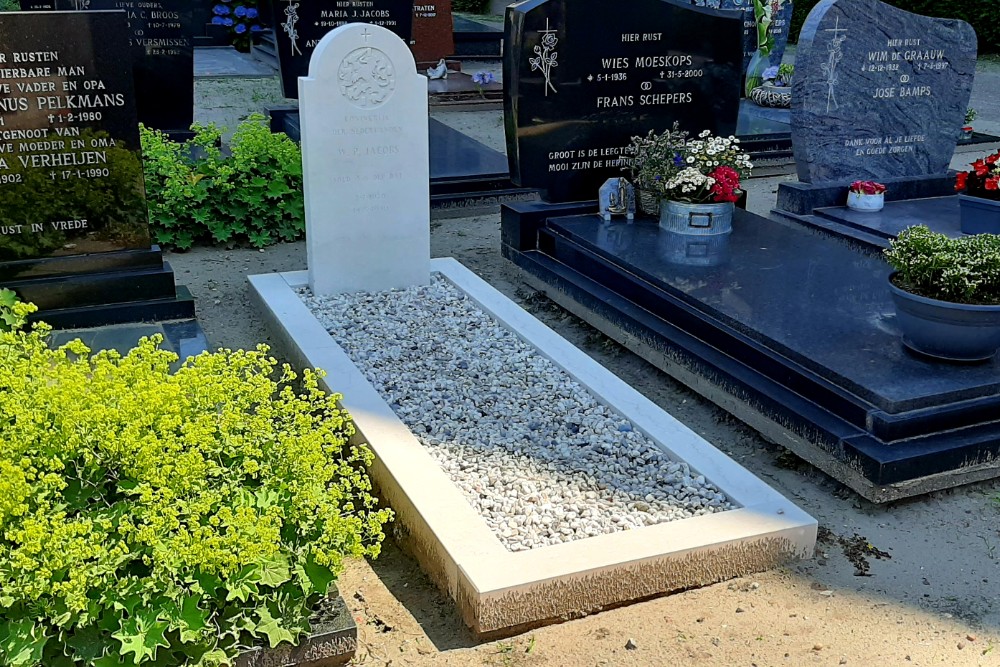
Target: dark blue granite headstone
780	21
878	92
582	77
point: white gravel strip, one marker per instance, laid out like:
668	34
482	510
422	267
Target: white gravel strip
534	452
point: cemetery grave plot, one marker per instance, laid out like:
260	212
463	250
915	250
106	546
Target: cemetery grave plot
500	591
791	331
645	469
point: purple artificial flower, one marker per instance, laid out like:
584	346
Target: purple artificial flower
251	12
770	73
240	11
240	28
256	28
217	20
483	78
227	21
220	10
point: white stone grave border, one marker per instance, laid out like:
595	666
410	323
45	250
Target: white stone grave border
500	592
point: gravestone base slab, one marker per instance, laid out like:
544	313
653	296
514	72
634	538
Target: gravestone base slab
799	198
873	231
100	288
791	331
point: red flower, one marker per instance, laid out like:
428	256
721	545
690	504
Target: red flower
980	168
727	184
960	180
993	183
993	158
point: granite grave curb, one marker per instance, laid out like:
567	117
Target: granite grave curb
500	592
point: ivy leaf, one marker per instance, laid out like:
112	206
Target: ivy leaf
272	629
22	642
274	572
141	635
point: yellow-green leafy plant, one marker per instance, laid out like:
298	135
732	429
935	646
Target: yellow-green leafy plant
13	312
150	517
251	194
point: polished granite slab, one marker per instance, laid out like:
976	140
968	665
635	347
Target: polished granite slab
184	337
939	213
814	300
789	329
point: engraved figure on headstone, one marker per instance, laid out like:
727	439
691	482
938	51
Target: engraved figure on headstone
546	58
830	67
291	18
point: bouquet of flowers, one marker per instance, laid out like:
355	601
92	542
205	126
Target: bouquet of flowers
703	170
867	188
984	179
650	157
241	17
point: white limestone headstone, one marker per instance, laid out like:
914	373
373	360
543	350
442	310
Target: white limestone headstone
366	165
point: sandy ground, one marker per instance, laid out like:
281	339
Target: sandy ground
932	599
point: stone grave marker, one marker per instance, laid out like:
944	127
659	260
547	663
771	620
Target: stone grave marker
581	80
366	163
299	25
162	48
70	161
74	237
878	92
433	31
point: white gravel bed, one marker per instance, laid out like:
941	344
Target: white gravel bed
533	451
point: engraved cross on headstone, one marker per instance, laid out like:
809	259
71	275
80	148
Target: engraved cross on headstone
366	35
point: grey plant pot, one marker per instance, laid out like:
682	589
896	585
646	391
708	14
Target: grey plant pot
699	219
944	330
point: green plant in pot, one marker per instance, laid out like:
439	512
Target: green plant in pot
979	196
699	183
970	115
161	517
647	158
947	293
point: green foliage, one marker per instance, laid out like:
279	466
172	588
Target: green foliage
9	6
980	13
163	519
962	270
474	6
198	194
13	312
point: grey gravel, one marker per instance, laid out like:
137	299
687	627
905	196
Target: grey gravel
532	450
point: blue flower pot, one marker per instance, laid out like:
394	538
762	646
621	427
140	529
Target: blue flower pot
945	330
978	215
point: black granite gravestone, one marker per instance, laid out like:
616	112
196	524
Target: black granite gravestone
162	56
73	225
299	25
878	92
582	77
